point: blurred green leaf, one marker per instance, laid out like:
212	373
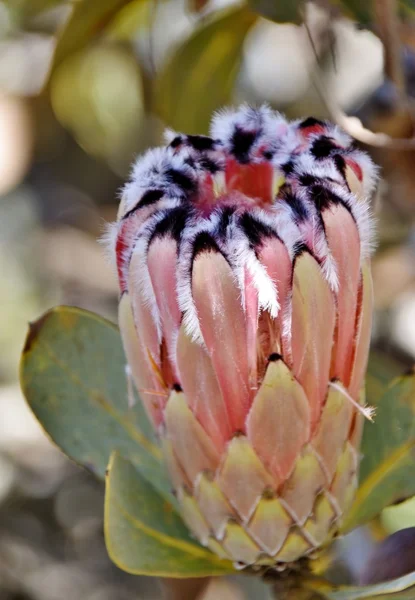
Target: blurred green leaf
23	11
362	12
399	516
200	77
387	471
144	534
407	8
73	377
85	95
131	19
280	11
88	20
382	369
402	588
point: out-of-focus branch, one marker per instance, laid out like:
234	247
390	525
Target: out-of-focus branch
387	27
352	125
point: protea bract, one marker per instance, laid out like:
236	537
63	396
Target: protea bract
245	312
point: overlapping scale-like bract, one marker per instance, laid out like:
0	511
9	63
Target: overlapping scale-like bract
245	311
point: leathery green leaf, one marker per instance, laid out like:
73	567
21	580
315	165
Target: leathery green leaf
402	588
22	12
387	471
362	12
73	377
144	534
88	19
381	370
200	77
88	83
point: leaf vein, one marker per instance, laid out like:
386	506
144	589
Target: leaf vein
93	394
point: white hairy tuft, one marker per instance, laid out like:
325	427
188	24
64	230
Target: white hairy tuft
369	169
184	276
269	127
151	172
362	214
285	142
169	135
108	240
244	259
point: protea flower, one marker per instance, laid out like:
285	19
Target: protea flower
245	312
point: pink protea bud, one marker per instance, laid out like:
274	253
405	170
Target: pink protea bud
245	311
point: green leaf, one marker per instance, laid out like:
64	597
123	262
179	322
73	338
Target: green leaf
387	471
280	11
73	377
85	95
407	8
131	20
402	588
23	11
362	12
381	370
88	20
400	516
200	77
144	534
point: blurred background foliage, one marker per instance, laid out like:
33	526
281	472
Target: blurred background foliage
85	86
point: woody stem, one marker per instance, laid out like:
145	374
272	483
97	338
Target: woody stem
184	589
387	25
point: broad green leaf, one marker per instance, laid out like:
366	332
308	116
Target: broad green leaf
85	95
381	370
88	20
23	11
387	471
145	536
399	517
130	20
200	77
407	8
278	10
402	588
73	377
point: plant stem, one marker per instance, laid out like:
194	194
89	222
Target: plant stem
351	125
184	589
387	25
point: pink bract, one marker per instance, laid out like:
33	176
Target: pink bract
245	311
